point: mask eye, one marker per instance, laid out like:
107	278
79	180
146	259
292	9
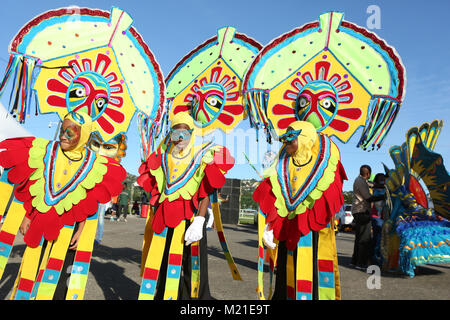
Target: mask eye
100	103
95	144
328	105
214	102
79	92
303	102
108	147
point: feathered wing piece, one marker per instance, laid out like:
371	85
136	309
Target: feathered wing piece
424	232
416	161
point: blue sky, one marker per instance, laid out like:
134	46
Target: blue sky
418	30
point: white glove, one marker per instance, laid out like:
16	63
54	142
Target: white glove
267	237
195	230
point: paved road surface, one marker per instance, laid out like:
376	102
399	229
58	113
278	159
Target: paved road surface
114	272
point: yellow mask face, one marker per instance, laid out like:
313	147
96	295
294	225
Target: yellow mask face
105	149
114	148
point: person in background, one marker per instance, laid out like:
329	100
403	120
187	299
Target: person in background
114	207
123	201
361	207
377	216
135	208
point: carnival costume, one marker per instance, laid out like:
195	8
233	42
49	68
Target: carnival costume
416	233
79	60
177	184
339	77
297	200
205	83
54	189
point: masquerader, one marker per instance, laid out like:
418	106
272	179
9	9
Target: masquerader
59	188
180	176
298	198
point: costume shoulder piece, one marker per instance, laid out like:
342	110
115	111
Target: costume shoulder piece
31	164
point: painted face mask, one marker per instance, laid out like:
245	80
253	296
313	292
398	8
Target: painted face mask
105	149
332	73
317	104
206	82
88	92
69	135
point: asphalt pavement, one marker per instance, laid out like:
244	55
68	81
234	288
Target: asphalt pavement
115	267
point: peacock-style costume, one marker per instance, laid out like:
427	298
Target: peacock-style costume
54	189
339	77
417	233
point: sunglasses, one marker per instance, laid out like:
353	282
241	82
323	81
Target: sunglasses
183	134
289	136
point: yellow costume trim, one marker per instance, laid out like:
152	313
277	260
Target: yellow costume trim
328	290
322	185
152	266
174	268
30	263
55	263
5	194
80	269
195	269
148	236
38	189
272	255
41	269
11	225
305	268
188	190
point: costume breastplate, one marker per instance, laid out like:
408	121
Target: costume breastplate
179	171
63	175
297	182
